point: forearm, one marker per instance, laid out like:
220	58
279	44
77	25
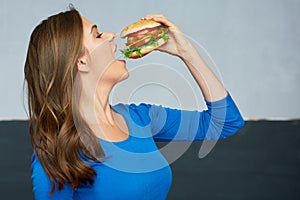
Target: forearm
209	84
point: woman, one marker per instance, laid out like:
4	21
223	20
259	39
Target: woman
84	148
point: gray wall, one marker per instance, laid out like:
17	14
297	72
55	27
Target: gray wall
254	46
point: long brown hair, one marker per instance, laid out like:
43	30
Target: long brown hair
50	70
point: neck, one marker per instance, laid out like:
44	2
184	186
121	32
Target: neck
95	107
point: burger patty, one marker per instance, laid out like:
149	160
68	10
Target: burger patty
141	37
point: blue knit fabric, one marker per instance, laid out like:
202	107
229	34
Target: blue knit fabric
135	168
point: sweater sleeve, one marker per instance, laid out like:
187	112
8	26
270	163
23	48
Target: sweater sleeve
42	185
221	119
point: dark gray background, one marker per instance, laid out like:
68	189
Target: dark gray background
260	162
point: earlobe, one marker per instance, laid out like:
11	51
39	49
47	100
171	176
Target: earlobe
82	65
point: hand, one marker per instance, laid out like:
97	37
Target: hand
178	44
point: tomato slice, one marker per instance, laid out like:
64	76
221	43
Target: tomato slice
143	31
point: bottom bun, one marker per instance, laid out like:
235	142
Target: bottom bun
147	49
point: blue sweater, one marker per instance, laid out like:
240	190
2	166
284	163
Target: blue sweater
135	168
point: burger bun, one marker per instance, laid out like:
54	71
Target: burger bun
137	26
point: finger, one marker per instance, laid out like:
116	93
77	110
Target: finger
172	27
163	20
159	18
151	16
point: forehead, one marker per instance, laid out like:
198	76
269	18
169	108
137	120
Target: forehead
87	24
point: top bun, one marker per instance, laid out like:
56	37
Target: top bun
139	25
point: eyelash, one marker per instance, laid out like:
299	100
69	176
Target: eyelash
99	35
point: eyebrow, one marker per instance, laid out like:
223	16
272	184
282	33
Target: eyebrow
94	26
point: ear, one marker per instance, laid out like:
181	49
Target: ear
82	65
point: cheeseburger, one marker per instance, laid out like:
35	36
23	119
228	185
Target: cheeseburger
143	37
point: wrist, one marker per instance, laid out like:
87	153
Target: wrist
186	50
188	53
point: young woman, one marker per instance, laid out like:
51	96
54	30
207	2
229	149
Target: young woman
85	148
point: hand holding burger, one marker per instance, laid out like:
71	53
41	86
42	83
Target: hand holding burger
173	40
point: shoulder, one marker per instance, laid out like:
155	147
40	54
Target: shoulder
132	106
139	113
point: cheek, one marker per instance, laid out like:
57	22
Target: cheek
100	57
88	44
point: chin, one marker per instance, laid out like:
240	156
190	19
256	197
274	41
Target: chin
120	71
124	76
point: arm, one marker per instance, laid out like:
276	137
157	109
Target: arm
220	120
178	45
42	185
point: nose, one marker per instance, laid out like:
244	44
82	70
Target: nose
111	35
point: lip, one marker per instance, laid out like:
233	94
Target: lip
123	61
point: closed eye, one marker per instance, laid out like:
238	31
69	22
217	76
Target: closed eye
99	35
